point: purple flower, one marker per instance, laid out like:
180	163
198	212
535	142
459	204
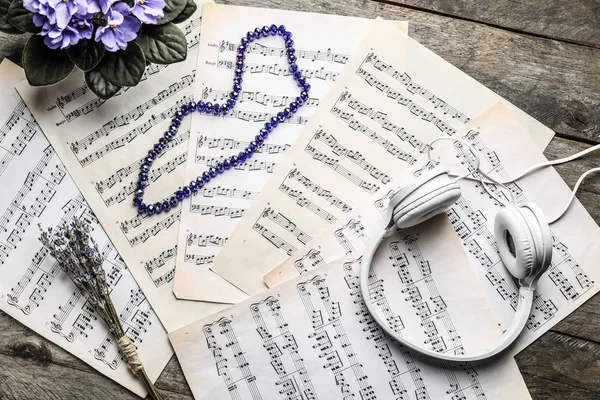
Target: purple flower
64	10
121	27
149	11
95	6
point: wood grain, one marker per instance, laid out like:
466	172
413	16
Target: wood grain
569	21
542	56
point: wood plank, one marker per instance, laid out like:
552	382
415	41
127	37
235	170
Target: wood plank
556	82
570	21
34	368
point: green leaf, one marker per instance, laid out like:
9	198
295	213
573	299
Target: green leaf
99	85
190	8
5	26
21	18
123	67
172	10
163	44
86	54
44	66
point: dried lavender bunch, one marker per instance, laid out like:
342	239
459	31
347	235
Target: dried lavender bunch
78	255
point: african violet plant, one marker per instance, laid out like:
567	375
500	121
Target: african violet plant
110	40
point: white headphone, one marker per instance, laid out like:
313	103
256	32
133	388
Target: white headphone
522	234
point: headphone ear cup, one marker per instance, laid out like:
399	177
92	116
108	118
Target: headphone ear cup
515	242
427	206
543	244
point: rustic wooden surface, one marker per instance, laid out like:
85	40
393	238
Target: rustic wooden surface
544	56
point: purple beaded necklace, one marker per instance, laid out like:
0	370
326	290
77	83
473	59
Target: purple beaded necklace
216	109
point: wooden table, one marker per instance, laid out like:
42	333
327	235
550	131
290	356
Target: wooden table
544	56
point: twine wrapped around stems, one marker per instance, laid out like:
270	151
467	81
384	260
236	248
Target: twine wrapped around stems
78	255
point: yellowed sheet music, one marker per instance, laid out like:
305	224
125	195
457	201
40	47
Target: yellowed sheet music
392	98
323	44
36	189
506	150
102	143
313	338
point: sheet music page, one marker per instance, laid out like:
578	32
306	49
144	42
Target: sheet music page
102	144
323	44
313	338
507	150
36	189
392	98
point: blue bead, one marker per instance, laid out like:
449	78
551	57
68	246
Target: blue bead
259	140
253	146
199	183
287	113
233	160
299	101
206	177
158	208
242	156
248	153
230	103
280	117
237	81
297	75
142	183
158	148
139	193
191	106
268	126
200	107
212	172
289	43
242	47
176	123
179	195
265	30
145	168
273	29
287	35
281	30
304	95
186	191
274	121
163	141
219	167
173	200
263	133
185	110
244	42
301	81
216	109
306	87
224	109
226	164
142	208
240	56
239	64
179	114
152	153
290	51
172	129
150	209
293	107
250	36
257	33
192	185
237	88
166	206
233	95
293	68
137	200
292	59
238	72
